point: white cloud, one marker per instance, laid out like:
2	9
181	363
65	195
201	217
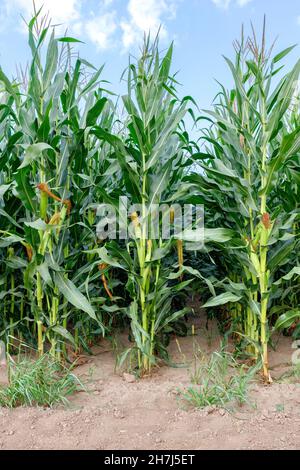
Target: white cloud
101	29
70	15
146	16
60	11
242	3
103	26
225	4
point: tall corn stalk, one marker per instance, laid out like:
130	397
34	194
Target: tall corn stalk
44	157
249	146
150	157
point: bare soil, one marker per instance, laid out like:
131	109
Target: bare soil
118	413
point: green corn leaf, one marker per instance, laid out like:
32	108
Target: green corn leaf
69	40
94	113
218	235
61	331
287	277
73	295
221	299
25	190
9	240
283	53
33	152
287	319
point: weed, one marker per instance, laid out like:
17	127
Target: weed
43	382
221	381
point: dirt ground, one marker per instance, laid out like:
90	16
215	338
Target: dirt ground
149	414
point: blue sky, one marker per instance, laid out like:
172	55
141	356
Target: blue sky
203	31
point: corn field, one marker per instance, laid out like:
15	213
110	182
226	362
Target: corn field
68	145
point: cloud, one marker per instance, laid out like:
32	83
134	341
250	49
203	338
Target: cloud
225	4
104	27
60	11
146	16
101	29
68	14
242	3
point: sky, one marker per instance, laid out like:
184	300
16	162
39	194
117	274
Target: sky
202	30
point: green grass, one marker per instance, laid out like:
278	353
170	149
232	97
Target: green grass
43	382
292	375
220	381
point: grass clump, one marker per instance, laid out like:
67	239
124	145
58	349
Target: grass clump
292	375
44	382
221	380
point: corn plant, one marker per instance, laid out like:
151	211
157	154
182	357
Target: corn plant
246	149
44	159
151	160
